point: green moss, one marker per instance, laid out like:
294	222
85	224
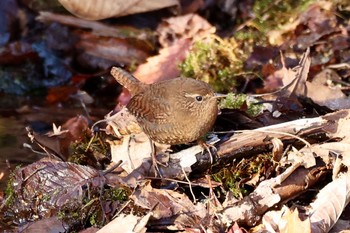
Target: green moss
233	101
74	214
10	192
219	62
117	194
237	101
88	150
229	180
215	61
89	211
46	197
254	109
233	178
93	220
269	15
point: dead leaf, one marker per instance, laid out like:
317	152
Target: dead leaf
168	204
320	19
133	151
190	26
235	229
330	203
342	226
291	222
52	224
325	95
165	65
291	81
304	157
249	209
97	28
275	37
59	94
97	9
342	118
116	50
61	182
277	150
298	76
269	193
57	142
16	53
78	127
134	147
121	123
126	223
283	220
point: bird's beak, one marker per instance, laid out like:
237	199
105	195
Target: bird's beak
219	95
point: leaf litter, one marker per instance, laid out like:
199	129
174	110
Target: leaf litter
286	172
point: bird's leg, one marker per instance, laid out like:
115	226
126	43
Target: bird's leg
154	159
207	147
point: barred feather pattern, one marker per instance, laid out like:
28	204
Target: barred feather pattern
128	81
169	111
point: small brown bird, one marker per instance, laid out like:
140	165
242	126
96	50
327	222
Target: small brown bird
174	111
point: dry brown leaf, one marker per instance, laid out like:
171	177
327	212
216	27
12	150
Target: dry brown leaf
298	76
78	127
165	65
121	123
63	182
190	26
292	81
134	147
330	203
177	164
176	208
52	224
342	226
102	9
337	153
283	220
126	223
295	80
325	95
116	50
133	151
277	150
97	28
320	20
57	142
235	229
342	117
166	203
270	220
269	193
276	36
304	157
249	209
291	222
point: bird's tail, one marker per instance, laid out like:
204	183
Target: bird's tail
127	80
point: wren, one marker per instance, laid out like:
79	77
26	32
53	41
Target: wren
174	111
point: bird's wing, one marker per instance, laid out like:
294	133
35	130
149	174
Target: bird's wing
149	108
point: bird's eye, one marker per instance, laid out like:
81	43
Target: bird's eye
199	98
